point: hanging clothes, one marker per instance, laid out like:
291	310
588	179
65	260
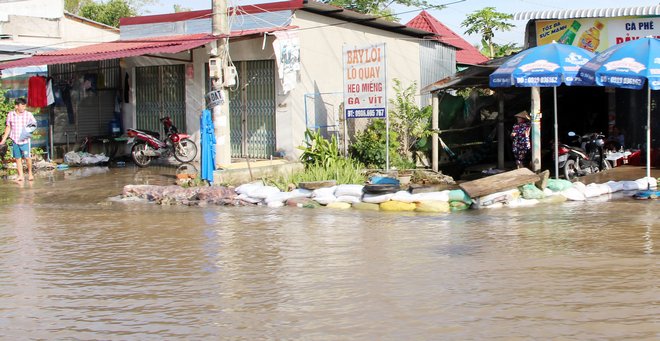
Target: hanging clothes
50	97
127	90
37	92
66	97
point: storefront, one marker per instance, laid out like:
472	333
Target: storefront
605	109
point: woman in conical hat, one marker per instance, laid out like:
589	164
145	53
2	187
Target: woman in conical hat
521	141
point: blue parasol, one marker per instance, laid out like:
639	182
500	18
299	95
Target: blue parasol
207	134
629	65
543	66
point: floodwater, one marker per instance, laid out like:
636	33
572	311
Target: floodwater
77	266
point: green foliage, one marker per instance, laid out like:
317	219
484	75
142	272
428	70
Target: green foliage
318	150
485	22
76	6
178	8
369	147
343	170
108	13
500	50
5	107
408	120
380	8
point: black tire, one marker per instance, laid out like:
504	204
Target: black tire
137	154
185	151
380	188
570	170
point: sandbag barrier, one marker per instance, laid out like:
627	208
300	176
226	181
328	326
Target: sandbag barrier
352	196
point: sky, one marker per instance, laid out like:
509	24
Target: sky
452	15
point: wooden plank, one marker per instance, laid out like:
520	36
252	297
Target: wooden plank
499	182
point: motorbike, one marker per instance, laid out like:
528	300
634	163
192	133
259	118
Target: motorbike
585	156
148	146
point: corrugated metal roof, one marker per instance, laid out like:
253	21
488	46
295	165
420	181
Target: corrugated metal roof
127	48
589	13
113	49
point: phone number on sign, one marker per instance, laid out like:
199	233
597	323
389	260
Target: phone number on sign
365	113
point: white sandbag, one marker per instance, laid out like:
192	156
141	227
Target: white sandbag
348	189
601	198
301	193
630	185
403	196
431	196
548	192
579	186
326	199
72	158
278	197
324	192
348	199
614	186
249	199
376	198
573	194
522	202
644	182
276	204
494	205
262	192
594	190
245	188
503	196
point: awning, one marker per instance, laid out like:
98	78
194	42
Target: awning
114	50
589	13
473	76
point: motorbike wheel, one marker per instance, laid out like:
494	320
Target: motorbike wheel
185	151
138	156
570	170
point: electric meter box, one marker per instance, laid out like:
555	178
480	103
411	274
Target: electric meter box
215	68
230	76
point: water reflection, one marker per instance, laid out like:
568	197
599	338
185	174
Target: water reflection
81	267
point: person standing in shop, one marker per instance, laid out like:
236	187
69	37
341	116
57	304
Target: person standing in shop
18	131
521	141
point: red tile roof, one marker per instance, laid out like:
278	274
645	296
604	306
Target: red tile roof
466	54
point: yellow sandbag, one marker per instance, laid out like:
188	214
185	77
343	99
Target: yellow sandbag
338	204
553	199
432	206
366	206
394	205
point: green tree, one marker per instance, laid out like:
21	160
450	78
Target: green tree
380	8
486	22
105	11
408	120
502	50
178	8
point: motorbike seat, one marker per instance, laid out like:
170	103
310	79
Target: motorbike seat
152	133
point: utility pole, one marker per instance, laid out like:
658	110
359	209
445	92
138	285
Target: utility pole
221	108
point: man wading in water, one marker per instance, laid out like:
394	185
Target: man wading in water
18	131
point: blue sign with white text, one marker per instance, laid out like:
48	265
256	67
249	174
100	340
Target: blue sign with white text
366	113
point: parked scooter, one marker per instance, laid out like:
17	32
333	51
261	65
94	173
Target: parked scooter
586	159
148	146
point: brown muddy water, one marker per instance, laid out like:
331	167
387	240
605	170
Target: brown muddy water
77	266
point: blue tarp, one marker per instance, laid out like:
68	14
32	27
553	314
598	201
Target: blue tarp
207	134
